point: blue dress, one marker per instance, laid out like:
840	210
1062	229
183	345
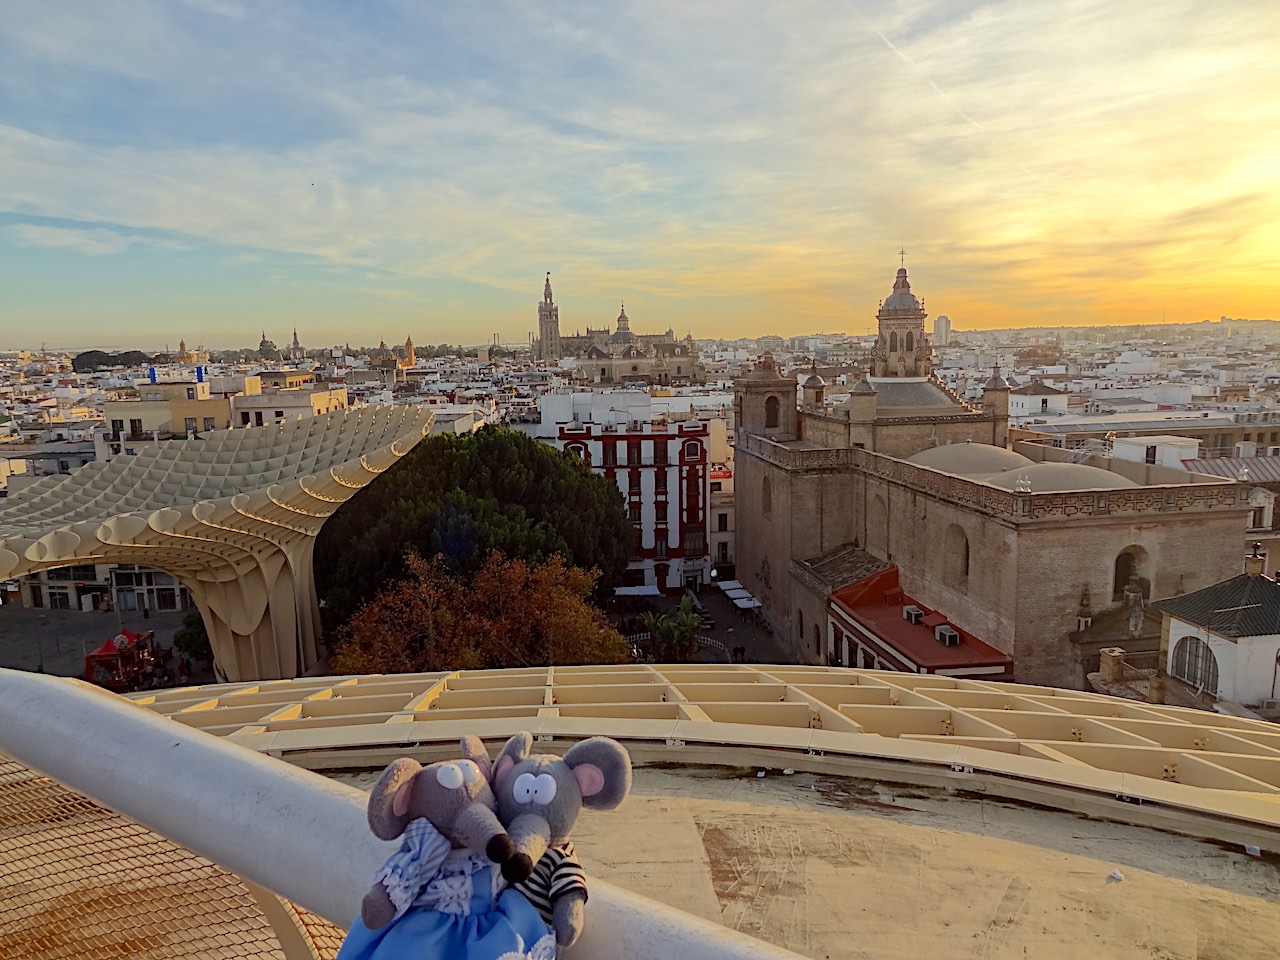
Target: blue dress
450	905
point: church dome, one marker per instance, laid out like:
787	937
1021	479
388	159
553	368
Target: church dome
996	382
814	382
902	302
1061	477
970	458
864	386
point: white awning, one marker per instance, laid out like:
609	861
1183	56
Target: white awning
645	591
747	603
738	594
727	585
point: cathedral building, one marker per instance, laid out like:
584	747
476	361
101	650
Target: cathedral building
983	545
610	357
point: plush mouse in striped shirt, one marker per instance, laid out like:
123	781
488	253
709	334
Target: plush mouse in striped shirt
539	798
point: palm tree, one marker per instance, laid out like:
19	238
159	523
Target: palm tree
675	635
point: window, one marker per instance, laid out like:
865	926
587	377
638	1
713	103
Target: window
660	481
244	419
577	450
722	555
660	508
1194	663
1044	404
716	486
135	428
117	428
692	450
771	411
191	393
1151	454
893	341
279	414
257	417
910	341
660	451
634	483
634	511
209	423
1258	518
722	523
610	453
633	452
660	545
694	544
189	424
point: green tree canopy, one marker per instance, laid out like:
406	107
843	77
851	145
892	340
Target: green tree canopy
462	496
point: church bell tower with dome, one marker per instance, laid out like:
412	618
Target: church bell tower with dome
902	349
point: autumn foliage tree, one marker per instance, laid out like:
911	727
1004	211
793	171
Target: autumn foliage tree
463	496
509	614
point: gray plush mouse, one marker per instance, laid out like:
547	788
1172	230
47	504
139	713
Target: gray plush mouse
454	799
539	798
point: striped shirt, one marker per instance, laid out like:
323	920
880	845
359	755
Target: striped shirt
557	873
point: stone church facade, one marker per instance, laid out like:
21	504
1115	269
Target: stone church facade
1006	543
610	357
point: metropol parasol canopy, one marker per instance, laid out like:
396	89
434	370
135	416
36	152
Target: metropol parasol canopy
234	515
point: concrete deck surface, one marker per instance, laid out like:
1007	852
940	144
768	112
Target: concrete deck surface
835	868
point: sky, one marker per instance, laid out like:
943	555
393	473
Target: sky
211	169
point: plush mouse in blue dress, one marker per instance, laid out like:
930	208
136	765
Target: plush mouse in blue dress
444	894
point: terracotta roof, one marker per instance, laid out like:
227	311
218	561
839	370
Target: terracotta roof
844	565
1244	606
1037	388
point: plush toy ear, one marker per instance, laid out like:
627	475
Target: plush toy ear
602	768
590	779
400	802
515	750
473	749
389	799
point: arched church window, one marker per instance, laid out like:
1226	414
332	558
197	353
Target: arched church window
771	411
910	341
766	497
893	341
692	450
956	554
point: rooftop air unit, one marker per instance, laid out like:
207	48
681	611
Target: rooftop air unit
947	636
912	613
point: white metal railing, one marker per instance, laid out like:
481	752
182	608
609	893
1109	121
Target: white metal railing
295	832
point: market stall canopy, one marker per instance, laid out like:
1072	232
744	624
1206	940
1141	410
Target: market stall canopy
747	603
727	585
739	594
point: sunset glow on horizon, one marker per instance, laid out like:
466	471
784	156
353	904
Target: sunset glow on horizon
213	168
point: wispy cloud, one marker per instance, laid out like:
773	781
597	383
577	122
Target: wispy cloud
743	169
91	242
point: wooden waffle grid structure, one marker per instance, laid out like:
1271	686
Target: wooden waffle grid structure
233	515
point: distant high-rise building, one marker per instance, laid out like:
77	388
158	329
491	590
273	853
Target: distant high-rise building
942	331
548	325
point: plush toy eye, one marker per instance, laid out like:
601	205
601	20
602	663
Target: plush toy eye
470	771
450	776
544	789
525	789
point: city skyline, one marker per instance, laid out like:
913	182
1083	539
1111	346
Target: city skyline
210	166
